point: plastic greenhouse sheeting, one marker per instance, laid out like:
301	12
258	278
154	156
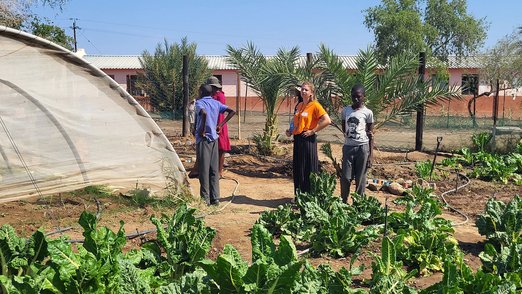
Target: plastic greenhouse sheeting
65	124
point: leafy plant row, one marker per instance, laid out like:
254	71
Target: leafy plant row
323	222
420	241
501	270
422	238
489	166
39	265
175	262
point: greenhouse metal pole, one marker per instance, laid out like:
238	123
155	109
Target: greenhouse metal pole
419	129
186	123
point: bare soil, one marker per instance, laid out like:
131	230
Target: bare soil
251	185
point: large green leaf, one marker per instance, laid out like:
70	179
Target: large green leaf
36	247
284	281
388	255
256	276
286	252
263	247
227	271
11	246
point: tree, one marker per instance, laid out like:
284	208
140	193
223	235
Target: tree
50	32
13	13
437	27
504	62
162	74
17	14
268	78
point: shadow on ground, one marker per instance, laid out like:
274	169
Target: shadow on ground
269	203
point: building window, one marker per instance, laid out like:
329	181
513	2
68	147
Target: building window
470	84
131	86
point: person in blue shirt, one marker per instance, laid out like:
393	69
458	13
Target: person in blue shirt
207	134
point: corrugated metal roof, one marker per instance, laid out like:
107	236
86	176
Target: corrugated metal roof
219	62
465	62
215	62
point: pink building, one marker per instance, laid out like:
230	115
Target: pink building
124	69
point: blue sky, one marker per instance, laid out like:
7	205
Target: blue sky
129	27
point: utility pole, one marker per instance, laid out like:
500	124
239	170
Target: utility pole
74	27
309	57
419	128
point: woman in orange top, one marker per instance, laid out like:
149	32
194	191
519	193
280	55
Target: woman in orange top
309	119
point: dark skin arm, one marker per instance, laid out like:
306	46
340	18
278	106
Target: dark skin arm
230	114
203	116
369	132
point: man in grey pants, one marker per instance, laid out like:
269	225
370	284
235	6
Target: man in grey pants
207	134
357	149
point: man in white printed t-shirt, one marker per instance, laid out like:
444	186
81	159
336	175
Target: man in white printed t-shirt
358	145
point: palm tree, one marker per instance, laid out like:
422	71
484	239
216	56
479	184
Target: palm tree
162	77
266	76
392	91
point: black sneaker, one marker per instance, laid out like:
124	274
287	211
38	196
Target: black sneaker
215	202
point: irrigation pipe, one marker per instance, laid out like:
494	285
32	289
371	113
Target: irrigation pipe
142	233
60	230
466	218
224	206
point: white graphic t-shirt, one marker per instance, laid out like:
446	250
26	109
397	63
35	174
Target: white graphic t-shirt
355	125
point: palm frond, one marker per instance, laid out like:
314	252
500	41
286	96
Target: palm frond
367	64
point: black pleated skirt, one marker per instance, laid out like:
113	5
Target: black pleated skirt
305	161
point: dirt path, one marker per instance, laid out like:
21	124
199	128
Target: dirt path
242	200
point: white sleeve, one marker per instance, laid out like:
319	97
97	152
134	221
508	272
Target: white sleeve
369	118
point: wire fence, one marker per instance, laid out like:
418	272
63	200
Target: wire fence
400	135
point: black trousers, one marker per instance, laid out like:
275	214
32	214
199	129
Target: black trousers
305	161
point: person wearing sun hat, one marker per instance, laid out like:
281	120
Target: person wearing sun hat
207	130
224	140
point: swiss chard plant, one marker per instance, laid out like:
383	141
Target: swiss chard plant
489	166
423	238
185	240
22	263
504	261
273	269
501	223
459	278
368	209
425	250
322	220
324	280
339	235
423	169
388	275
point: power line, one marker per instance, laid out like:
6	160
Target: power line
99	51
